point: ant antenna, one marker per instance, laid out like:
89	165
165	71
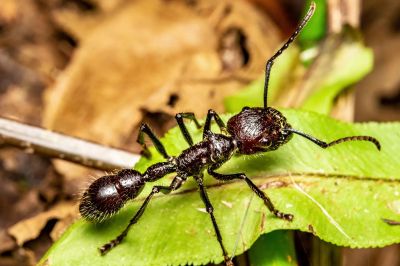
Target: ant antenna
270	62
324	145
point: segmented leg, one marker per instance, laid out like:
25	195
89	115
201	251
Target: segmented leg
210	210
259	192
207	126
175	184
179	119
145	129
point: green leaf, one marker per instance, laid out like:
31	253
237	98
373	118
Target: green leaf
343	61
339	194
273	249
347	65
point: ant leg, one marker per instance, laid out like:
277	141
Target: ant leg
210	210
283	48
207	126
179	119
145	129
175	184
259	192
325	145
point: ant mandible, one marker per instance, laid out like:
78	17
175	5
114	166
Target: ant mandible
253	130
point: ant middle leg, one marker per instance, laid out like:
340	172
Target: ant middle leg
259	192
179	119
207	126
175	184
210	210
145	129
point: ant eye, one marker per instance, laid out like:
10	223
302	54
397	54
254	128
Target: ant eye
265	142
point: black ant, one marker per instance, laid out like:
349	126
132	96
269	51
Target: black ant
253	130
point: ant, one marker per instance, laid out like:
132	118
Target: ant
253	130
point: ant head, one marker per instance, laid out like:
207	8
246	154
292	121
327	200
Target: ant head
264	129
259	129
106	195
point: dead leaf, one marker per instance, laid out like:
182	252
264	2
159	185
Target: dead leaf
29	229
131	49
147	52
6	242
8	11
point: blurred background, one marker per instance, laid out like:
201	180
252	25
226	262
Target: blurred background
96	69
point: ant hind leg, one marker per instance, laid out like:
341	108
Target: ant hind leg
175	184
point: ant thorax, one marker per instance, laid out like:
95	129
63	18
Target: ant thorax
214	149
222	147
258	129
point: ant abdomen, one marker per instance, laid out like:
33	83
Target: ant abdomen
109	193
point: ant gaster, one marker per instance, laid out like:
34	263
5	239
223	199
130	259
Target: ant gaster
253	130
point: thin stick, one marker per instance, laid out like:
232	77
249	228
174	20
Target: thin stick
45	142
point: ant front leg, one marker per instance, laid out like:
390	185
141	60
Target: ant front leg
145	129
179	119
210	210
259	192
175	184
207	126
